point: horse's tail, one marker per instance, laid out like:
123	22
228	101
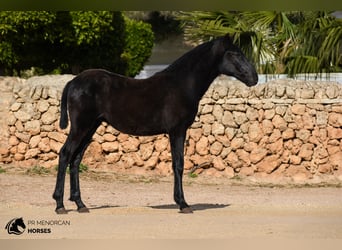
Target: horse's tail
63	122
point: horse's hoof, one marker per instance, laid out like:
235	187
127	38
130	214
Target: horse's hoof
61	210
186	210
83	210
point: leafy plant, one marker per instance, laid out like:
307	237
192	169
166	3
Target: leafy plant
138	45
192	175
82	168
72	41
98	41
2	170
25	39
317	45
277	42
38	170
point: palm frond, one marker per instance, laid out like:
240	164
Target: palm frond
302	64
200	26
331	46
276	42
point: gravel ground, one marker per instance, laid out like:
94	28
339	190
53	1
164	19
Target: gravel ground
136	207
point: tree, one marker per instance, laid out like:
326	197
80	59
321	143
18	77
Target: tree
69	42
317	46
277	42
138	46
25	40
164	23
98	41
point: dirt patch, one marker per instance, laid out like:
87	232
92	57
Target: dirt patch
140	207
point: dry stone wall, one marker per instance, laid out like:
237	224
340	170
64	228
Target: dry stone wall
283	129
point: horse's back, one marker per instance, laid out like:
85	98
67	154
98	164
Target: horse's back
123	102
100	78
139	107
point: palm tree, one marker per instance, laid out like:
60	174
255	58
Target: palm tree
317	46
277	42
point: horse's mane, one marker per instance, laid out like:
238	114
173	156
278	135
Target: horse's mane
191	57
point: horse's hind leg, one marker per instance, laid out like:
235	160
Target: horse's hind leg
75	191
64	158
71	153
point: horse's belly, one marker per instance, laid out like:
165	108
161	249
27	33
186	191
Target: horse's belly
138	126
140	130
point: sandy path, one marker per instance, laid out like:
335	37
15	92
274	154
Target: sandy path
129	209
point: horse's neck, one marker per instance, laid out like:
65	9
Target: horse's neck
202	79
196	70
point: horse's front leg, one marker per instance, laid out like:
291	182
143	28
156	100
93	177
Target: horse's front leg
177	152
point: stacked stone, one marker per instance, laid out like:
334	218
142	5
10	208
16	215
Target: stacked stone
113	150
34	135
32	125
280	129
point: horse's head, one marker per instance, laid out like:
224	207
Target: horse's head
235	63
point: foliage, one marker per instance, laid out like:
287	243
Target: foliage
138	45
82	168
69	42
38	170
317	46
2	170
164	23
192	175
25	39
98	40
277	42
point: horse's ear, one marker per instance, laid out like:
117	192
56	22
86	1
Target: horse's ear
228	38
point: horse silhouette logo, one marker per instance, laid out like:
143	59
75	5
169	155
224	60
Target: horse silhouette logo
16	226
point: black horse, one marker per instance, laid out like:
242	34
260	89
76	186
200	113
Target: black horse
167	102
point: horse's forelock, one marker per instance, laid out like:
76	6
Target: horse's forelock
227	42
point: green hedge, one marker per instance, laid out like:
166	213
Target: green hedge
25	38
138	45
69	42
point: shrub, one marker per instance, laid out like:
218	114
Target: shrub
69	42
25	39
138	45
98	41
